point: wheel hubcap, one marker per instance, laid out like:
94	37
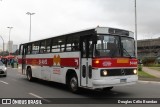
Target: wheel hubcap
28	76
73	83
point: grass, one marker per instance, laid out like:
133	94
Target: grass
153	65
145	75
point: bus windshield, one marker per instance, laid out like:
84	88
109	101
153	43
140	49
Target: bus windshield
128	48
109	46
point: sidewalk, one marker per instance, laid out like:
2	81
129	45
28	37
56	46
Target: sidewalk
152	72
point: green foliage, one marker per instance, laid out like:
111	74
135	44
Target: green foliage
148	60
153	65
140	67
145	75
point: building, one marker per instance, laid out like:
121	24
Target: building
14	48
10	46
5	47
148	48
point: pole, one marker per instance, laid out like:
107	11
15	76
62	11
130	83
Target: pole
28	13
136	29
30	29
9	34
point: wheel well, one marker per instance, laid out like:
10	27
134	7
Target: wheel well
69	73
28	68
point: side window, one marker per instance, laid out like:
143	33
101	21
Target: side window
58	44
91	46
43	47
84	49
20	49
55	46
72	43
87	46
48	45
35	48
29	48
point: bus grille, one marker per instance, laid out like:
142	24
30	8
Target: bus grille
118	72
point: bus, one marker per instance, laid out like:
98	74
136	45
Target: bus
97	58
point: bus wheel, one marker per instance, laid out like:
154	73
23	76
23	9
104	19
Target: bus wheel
29	74
73	83
107	88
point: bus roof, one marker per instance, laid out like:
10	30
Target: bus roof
98	30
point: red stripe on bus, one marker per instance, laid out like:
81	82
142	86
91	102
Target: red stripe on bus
113	62
64	62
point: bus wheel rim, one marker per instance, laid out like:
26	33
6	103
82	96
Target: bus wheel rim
73	83
28	77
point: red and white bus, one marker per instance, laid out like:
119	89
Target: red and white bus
98	58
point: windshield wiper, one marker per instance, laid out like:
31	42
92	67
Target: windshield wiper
127	52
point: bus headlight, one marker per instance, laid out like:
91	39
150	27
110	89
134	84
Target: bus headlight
135	71
104	73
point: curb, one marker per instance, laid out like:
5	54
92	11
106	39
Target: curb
153	82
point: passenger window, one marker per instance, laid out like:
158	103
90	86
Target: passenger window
35	48
58	44
29	49
72	43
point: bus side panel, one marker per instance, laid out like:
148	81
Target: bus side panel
36	71
62	62
33	62
54	66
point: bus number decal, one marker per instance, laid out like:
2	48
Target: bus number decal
43	62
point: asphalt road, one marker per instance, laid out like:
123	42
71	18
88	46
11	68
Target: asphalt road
16	85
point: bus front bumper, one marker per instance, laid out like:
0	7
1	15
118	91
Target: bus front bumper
114	81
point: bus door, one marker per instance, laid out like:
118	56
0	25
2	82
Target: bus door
86	61
23	59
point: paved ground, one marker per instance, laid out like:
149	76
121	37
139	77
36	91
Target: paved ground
149	79
16	85
152	72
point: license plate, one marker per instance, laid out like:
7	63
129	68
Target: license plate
123	80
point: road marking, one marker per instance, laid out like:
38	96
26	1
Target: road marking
4	82
37	96
146	82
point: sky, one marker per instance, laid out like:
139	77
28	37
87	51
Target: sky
55	17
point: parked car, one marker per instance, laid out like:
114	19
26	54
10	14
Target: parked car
3	69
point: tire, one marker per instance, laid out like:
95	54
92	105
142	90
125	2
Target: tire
4	75
29	74
107	88
73	84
